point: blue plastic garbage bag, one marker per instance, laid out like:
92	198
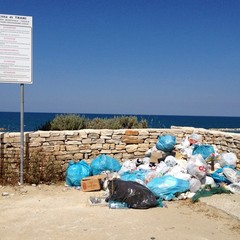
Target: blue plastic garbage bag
136	176
76	171
204	150
166	143
218	176
103	163
167	186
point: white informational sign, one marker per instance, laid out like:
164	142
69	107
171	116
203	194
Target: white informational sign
15	49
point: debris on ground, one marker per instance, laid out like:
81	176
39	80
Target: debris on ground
168	171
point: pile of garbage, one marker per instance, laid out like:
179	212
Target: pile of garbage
169	171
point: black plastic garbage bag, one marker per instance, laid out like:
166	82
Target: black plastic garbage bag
133	193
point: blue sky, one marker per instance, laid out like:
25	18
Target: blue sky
172	57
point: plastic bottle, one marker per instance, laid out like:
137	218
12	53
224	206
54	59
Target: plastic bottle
117	205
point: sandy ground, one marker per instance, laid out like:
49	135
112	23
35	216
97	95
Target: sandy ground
58	212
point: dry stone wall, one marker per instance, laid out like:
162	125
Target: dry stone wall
47	153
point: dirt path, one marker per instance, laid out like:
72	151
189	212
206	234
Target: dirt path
57	212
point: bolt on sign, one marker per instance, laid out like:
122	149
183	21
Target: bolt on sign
15	49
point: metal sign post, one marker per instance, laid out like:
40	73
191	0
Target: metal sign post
16	60
22	131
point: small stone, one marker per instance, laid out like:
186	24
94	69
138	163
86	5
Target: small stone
34	185
5	194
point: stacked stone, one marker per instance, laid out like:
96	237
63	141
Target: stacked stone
58	147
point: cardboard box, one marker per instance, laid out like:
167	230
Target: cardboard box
155	156
92	183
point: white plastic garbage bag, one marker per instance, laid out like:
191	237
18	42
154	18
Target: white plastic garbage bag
127	165
150	175
234	188
144	167
208	181
229	159
179	172
197	166
170	161
187	151
183	163
194	185
162	168
231	175
146	160
195	138
184	144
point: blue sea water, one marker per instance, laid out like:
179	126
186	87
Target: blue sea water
10	121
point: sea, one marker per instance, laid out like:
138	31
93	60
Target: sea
10	121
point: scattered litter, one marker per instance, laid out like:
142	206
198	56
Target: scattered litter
117	205
97	201
5	194
167	172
